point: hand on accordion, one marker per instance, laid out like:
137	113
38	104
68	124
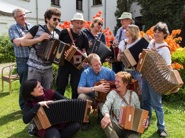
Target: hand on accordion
119	57
84	64
175	90
44	36
145	122
90	44
45	103
104	87
115	43
67	52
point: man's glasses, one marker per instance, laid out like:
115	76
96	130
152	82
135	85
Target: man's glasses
54	19
100	24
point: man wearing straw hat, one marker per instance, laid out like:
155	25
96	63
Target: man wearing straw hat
125	20
67	69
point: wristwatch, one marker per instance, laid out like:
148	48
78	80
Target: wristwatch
92	88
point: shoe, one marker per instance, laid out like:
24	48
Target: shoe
162	133
32	128
85	126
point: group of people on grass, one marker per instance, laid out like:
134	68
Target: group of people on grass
36	75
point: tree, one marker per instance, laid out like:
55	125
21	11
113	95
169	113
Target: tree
122	6
182	34
167	11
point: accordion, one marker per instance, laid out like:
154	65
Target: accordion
76	57
61	111
130	56
52	50
153	68
115	50
101	97
132	118
101	49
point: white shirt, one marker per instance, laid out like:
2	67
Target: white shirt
164	51
121	45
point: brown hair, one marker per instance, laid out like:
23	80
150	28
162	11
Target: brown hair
162	27
51	11
126	77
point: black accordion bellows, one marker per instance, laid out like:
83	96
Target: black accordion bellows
61	111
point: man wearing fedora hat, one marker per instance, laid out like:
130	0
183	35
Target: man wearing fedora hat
67	69
125	20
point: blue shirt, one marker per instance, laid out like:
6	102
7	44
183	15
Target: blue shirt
17	31
89	77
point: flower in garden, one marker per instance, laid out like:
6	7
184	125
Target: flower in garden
177	66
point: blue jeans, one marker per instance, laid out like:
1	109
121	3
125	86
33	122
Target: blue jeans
22	70
150	99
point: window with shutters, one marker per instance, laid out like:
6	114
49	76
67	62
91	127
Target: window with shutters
79	4
97	2
55	2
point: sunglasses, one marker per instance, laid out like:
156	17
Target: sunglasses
54	19
100	24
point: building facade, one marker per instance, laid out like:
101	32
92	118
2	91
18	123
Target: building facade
37	8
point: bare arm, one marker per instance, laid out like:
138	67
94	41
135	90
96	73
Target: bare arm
17	41
119	55
100	88
84	90
29	40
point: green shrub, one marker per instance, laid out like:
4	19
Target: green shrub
179	57
179	96
6	49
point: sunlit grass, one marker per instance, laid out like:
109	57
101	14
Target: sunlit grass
11	125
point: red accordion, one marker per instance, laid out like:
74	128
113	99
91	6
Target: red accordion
101	97
76	57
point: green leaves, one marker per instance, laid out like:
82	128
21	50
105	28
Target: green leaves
6	49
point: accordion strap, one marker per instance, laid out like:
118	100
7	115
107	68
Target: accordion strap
130	98
70	34
113	114
154	48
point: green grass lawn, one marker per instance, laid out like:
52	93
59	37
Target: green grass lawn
12	126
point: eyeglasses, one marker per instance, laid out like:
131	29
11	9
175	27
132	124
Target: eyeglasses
100	24
54	19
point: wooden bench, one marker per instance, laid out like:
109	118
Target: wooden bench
8	75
